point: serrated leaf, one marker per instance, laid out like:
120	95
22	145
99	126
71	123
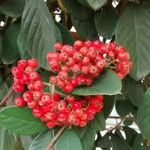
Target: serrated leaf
98	123
10	48
38	32
143	115
42	140
21	121
69	140
13	8
85	28
77	10
106	22
106	84
133	31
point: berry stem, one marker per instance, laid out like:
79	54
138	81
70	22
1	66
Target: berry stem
6	98
55	138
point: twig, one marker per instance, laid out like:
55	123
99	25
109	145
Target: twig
6	98
55	138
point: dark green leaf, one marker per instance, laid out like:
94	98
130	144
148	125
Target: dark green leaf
130	135
138	143
21	121
143	115
98	123
106	21
108	105
133	31
77	10
39	32
10	48
3	88
101	85
85	28
42	140
125	107
68	140
66	36
130	87
13	8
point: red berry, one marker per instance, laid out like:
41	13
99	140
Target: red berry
22	64
78	44
19	102
58	46
32	104
37	112
28	97
18	87
33	76
50	124
33	63
17	72
68	88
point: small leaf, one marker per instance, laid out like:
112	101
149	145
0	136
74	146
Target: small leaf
21	121
133	31
85	28
106	84
98	123
38	32
106	22
68	140
143	115
10	48
13	8
42	140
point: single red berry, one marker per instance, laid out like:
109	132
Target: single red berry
52	56
37	95
33	63
50	124
70	99
78	44
18	87
38	85
68	88
17	72
53	79
19	102
34	76
22	64
83	50
87	44
119	49
32	104
28	96
37	112
56	97
58	46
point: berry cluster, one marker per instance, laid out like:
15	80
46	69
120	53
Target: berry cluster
79	64
52	109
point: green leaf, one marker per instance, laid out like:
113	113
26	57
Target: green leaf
66	36
87	136
108	105
130	135
130	87
13	8
26	141
133	31
85	28
106	21
10	48
138	143
98	123
21	121
7	140
125	107
39	32
3	88
69	140
77	10
42	140
106	84
143	115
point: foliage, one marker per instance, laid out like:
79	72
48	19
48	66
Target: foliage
30	30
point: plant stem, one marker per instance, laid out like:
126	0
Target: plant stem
55	138
6	98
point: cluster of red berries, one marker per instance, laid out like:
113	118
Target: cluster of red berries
52	109
79	64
